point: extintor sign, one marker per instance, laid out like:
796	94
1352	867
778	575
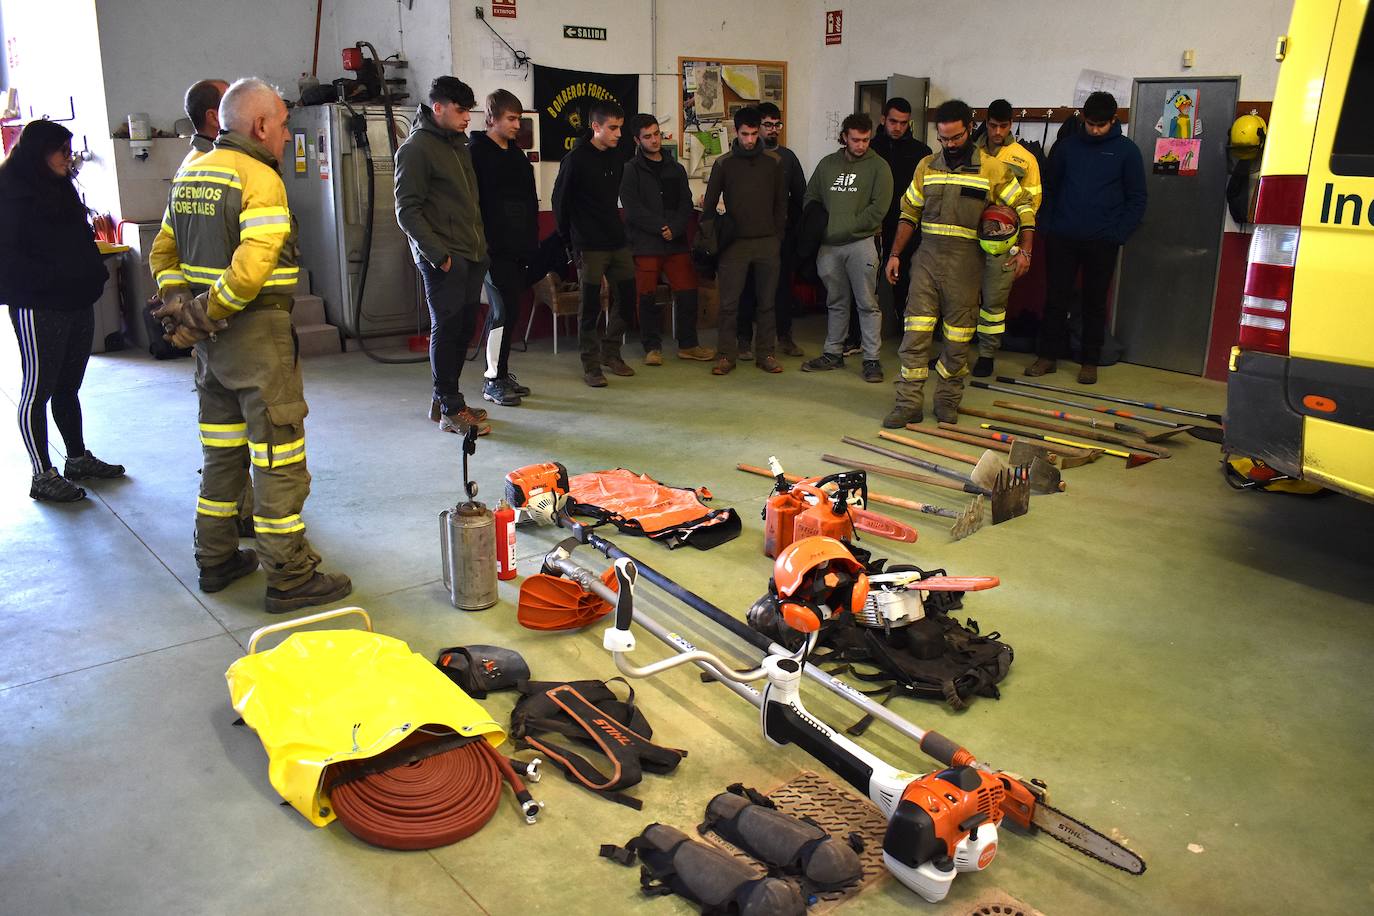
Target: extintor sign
834	26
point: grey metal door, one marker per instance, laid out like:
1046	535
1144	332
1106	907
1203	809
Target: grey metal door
1167	282
916	90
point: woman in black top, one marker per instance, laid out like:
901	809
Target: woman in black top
51	274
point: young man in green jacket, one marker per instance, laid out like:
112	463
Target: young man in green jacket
854	184
437	208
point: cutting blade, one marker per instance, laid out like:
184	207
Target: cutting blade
1079	836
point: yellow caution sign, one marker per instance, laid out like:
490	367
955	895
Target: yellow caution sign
300	153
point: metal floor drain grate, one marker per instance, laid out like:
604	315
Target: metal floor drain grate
1002	904
841	813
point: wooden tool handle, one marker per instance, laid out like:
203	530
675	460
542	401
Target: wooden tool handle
892	472
926	447
965	438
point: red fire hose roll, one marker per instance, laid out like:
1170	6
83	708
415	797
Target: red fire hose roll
427	802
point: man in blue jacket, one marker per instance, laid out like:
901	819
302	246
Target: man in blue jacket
1094	200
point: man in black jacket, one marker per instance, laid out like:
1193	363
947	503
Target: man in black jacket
658	205
750	180
585	208
510	216
902	151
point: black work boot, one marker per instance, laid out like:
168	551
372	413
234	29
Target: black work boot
499	391
900	416
321	588
79	467
983	367
219	576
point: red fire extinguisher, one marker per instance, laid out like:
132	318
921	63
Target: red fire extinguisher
505	541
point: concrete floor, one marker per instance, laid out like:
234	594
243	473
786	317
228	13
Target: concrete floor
1190	662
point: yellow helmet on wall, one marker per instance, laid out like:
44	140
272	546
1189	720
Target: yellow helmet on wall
1247	135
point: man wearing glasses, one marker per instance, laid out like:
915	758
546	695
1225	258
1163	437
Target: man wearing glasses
946	200
437	208
1096	179
771	132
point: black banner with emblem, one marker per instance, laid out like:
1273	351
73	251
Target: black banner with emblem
563	98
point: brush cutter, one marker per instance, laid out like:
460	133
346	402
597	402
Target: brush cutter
1133	459
1197	432
1170	427
1062	455
1009	493
965	522
1148	405
940	824
1135	445
1044	476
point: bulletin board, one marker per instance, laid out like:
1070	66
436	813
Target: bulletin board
713	89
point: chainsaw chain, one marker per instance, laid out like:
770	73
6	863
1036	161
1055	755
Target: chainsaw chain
1087	852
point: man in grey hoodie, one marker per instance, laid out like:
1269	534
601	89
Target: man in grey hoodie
855	186
437	208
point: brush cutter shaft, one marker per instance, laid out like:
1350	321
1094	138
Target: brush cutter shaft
926	447
1148	405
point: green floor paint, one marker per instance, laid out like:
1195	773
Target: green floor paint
1190	668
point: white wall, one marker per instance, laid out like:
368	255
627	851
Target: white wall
1046	45
154	49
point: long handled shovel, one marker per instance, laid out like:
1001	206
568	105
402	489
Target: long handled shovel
1148	405
1172	428
1044	477
1158	451
1009	493
1062	455
1133	459
965	523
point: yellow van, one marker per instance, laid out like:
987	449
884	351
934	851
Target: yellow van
1300	391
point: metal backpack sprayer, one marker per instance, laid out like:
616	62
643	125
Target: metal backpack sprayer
467	544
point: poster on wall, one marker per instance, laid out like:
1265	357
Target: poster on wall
564	97
743	79
1179	120
709	98
770	84
1176	157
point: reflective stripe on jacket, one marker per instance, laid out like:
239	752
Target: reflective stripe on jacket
1023	165
227	229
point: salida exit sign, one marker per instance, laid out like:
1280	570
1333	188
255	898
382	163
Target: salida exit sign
834	26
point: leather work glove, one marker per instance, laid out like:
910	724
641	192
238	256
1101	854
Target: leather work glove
192	324
168	305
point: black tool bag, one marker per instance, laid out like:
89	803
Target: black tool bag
479	670
592	715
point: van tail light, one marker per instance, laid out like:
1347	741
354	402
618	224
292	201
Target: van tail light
1266	309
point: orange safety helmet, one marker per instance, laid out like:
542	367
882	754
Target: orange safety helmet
816	577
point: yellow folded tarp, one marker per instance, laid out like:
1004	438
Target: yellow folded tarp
325	696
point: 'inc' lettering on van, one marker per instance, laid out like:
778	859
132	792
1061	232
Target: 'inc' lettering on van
1344	209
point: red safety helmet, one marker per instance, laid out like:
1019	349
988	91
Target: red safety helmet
815	578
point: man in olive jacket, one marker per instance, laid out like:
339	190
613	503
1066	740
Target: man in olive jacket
437	208
658	205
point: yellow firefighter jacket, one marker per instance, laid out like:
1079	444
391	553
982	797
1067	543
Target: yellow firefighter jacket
1023	165
227	229
950	203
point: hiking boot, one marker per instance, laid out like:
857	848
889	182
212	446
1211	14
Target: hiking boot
700	353
321	588
653	358
1087	375
594	378
514	385
724	366
852	349
464	420
617	366
217	577
87	465
52	487
1040	367
823	363
746	350
498	391
872	371
788	347
900	416
982	368
436	411
770	364
947	415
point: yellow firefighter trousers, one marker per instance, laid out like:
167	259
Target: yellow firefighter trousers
946	275
252	406
992	312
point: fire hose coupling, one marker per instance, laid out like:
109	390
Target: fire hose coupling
528	770
528	806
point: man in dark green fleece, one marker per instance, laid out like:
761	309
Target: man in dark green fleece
854	184
436	206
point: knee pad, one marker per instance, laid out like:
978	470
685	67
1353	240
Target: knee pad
794	845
